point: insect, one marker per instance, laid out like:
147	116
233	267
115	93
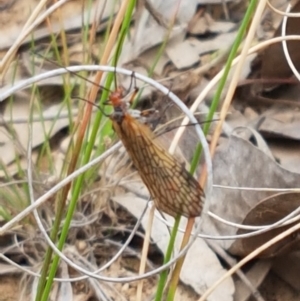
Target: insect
173	189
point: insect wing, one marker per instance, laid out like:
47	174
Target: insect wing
173	189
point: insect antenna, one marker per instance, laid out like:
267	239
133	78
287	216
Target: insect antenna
179	126
71	72
132	80
119	91
93	104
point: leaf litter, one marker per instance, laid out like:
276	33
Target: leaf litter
240	161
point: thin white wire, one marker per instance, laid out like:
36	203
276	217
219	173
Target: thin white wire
284	45
52	191
57	187
282	13
286	220
291	217
128	278
45	117
78	268
261	230
150	81
258	188
248	227
292	229
44	231
23	214
214	215
26	83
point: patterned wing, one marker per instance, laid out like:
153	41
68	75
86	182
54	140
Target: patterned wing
173	189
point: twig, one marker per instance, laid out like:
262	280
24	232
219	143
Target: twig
145	253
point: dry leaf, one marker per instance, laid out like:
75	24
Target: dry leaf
220	42
183	55
240	164
267	212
